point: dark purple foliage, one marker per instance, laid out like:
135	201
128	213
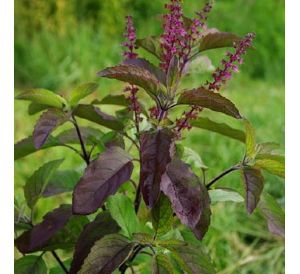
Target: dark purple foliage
48	121
101	178
155	155
101	226
188	195
254	183
36	238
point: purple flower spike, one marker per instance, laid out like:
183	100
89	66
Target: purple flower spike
222	75
130	36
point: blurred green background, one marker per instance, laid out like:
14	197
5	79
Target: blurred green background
60	43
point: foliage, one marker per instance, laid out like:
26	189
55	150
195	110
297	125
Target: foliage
113	218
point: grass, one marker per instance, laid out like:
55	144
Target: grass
237	242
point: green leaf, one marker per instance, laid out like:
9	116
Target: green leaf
209	99
150	44
26	146
254	183
34	108
94	114
225	195
44	97
62	181
190	157
162	215
81	92
162	264
143	238
119	100
267	148
250	140
122	210
37	183
274	164
107	254
30	265
221	128
273	213
58	270
192	259
214	40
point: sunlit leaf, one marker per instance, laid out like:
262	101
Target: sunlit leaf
209	99
272	163
221	128
225	195
44	97
122	210
81	92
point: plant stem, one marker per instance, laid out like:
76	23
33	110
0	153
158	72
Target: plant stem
59	261
84	152
137	200
225	172
124	266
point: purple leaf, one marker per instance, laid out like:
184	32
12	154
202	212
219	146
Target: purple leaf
209	99
188	195
103	224
155	155
135	75
102	178
216	39
94	114
254	183
274	214
108	254
48	121
145	64
39	235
